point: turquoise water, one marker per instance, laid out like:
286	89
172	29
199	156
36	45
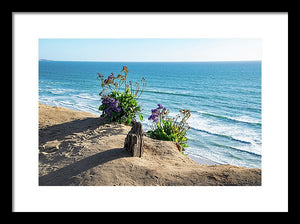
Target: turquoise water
224	99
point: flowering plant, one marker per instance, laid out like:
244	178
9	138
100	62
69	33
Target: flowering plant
110	106
172	129
119	99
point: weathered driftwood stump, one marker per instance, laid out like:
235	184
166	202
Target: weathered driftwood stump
134	140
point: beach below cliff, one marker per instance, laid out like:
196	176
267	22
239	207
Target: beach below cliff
81	149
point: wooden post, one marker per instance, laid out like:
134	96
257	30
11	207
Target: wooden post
134	142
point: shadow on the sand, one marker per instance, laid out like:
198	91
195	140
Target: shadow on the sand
65	175
60	131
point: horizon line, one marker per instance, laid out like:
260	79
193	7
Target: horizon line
42	59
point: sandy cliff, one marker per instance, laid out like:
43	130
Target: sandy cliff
78	148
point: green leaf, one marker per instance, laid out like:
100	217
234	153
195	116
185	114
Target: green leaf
141	117
184	145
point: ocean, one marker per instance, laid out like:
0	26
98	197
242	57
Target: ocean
224	99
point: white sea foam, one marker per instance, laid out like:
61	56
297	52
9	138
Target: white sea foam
57	91
88	97
246	119
242	118
232	132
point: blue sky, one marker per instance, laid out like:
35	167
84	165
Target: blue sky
154	49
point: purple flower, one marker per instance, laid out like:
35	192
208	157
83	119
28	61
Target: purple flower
153	117
110	105
155	111
158	113
159	106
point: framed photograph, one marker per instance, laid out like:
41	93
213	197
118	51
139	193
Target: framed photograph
153	105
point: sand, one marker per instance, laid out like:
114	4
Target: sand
82	149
